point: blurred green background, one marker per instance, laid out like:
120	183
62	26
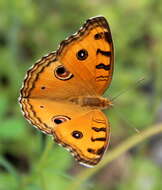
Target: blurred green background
29	29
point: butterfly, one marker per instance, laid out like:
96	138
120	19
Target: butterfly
62	92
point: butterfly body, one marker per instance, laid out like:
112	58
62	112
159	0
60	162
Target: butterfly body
62	92
92	101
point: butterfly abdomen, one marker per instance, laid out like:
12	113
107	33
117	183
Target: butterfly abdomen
92	101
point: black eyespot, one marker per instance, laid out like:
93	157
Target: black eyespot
90	150
97	36
43	87
62	74
82	54
61	71
60	119
77	134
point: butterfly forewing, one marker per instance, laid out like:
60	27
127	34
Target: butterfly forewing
89	55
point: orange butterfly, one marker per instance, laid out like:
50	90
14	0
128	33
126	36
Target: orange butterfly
61	94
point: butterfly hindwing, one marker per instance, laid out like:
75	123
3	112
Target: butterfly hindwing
44	114
86	136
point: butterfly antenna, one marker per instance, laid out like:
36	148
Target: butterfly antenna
129	88
128	122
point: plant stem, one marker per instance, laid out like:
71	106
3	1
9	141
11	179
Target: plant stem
37	171
42	161
115	153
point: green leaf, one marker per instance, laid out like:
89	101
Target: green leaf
11	129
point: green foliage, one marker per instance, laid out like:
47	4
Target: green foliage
30	29
144	175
